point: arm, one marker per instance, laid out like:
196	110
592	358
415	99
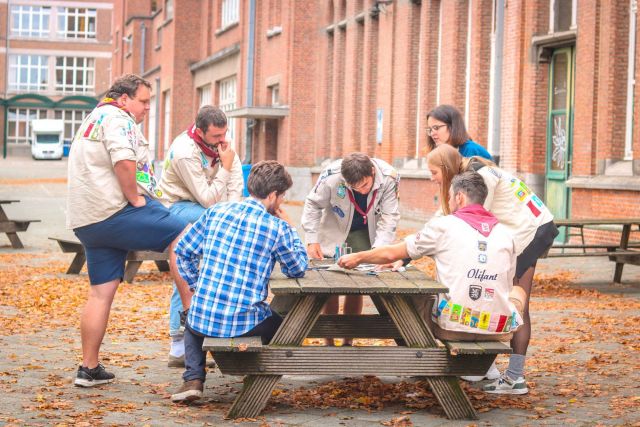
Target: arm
290	253
390	215
236	181
125	171
492	182
317	200
189	250
190	171
379	255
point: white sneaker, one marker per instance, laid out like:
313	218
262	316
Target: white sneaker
492	374
505	385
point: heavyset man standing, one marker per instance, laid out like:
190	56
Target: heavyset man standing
112	208
355	201
200	170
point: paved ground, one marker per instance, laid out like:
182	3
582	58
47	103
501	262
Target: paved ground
584	365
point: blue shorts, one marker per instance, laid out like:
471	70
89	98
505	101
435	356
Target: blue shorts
106	243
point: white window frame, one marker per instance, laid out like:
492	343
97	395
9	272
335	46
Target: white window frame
74	118
204	95
553	8
27	115
153	125
82	70
28	66
229	13
38	17
168	10
227	96
166	122
77	14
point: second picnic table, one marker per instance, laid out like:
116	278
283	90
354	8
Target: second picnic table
418	353
12	226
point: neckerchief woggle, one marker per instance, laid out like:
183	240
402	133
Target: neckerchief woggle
477	217
206	149
355	204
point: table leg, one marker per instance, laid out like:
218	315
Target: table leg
295	327
162	265
130	270
377	302
415	331
15	241
624	242
77	263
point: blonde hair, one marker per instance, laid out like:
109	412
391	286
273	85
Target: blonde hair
471	163
449	161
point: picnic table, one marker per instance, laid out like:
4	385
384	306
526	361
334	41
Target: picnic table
12	226
621	253
396	296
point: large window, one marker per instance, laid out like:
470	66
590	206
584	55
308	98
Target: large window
76	23
18	124
30	21
230	12
72	121
227	102
74	74
204	95
28	73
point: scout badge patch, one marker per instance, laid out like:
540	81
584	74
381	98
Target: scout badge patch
342	191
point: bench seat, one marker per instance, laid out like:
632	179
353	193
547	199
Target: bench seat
239	344
477	347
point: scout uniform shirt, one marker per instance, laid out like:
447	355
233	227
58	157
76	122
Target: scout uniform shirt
106	136
478	271
328	212
188	174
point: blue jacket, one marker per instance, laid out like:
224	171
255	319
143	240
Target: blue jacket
471	148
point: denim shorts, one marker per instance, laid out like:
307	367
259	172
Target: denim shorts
106	243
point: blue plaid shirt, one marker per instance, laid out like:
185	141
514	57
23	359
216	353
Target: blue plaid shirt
239	243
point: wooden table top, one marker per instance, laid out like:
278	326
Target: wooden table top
411	281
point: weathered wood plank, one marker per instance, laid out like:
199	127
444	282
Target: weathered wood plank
422	281
281	284
130	270
369	284
495	347
67	246
339	282
238	344
313	282
478	347
147	256
452	398
354	326
408	321
77	263
397	283
14	226
391	361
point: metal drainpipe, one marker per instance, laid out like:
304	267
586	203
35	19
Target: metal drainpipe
156	131
495	85
250	58
143	40
631	81
6	81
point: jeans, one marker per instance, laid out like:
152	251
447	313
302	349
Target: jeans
195	358
189	211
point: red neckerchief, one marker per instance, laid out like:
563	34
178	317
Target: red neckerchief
112	102
355	204
206	148
477	217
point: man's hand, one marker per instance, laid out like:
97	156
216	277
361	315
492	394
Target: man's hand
140	202
227	155
314	251
349	261
280	213
393	266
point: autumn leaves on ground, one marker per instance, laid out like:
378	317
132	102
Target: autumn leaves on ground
585	357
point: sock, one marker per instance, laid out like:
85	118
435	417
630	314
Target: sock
177	348
516	366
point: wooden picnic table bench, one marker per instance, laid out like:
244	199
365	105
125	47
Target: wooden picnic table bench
625	252
13	226
395	295
134	258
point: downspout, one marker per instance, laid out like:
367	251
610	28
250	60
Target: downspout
439	63
467	74
419	89
156	131
6	81
631	82
250	58
143	41
495	82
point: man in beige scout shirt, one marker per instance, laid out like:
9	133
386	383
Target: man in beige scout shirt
201	169
355	201
112	208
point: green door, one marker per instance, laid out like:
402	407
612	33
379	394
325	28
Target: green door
560	134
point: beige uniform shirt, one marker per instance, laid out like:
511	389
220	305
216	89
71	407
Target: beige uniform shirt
478	271
106	136
188	175
328	212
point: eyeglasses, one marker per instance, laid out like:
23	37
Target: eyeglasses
434	128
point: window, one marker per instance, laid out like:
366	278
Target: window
230	13
30	21
204	95
74	74
166	123
18	120
227	102
128	41
168	10
159	38
72	121
563	15
28	73
275	94
76	23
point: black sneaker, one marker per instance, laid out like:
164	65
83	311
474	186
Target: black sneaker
92	377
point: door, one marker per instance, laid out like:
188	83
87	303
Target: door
560	134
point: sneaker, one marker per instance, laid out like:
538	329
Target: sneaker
190	391
92	377
492	374
176	361
505	385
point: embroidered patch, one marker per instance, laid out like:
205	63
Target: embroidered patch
482	246
475	317
466	316
475	291
482	258
484	320
488	294
521	195
534	210
485	227
456	311
342	191
338	211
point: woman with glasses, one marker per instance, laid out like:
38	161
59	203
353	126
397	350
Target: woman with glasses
446	126
532	227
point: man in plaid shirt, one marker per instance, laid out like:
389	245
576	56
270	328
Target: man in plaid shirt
239	243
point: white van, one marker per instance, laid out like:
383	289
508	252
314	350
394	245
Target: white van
47	139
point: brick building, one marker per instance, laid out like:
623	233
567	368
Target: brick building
548	86
55	57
